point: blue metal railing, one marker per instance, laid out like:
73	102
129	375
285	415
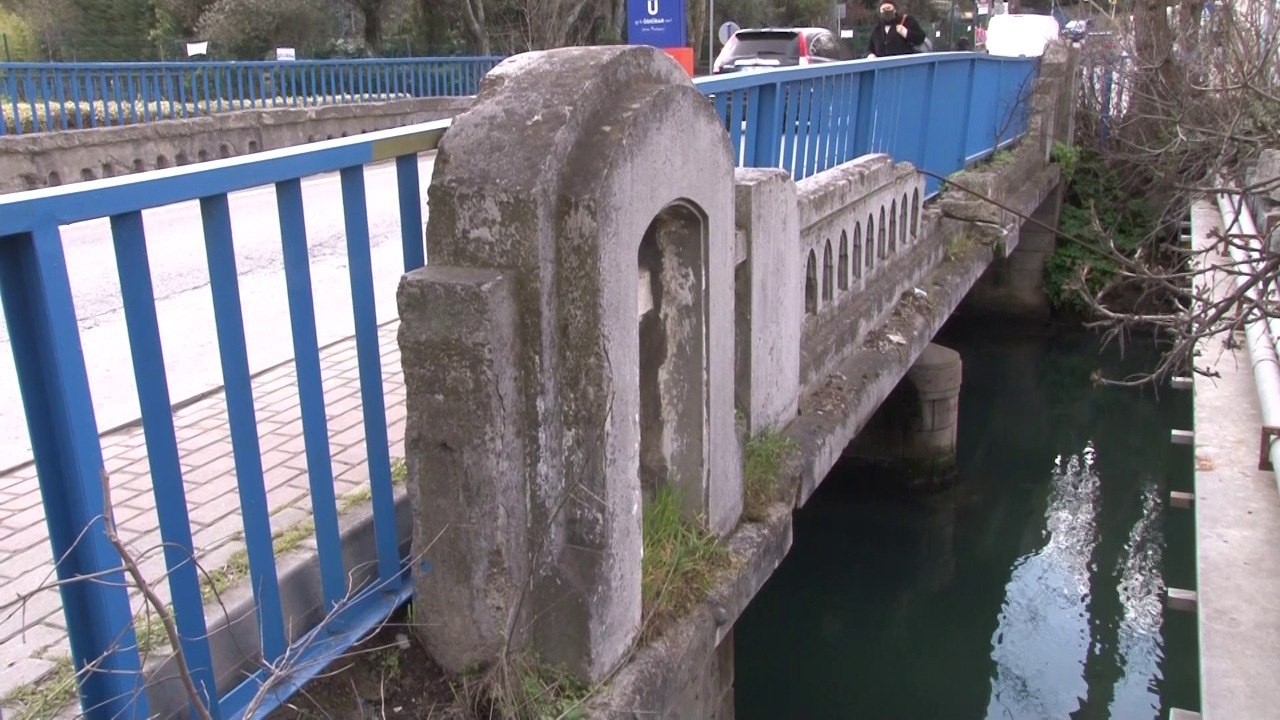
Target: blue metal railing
37	97
37	300
940	111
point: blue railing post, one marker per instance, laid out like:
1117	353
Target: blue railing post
36	295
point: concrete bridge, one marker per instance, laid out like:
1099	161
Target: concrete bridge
613	306
610	309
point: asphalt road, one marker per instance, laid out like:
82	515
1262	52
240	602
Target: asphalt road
175	245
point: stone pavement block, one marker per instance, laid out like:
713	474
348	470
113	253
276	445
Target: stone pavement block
26	607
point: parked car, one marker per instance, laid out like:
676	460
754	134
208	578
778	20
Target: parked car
768	48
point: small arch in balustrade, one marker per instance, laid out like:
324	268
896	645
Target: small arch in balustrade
811	285
87	174
893	227
55	179
202	156
915	213
253	146
842	267
224	150
828	270
181	159
902	221
139	165
881	237
871	243
857	251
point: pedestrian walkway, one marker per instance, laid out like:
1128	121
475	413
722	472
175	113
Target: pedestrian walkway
33	631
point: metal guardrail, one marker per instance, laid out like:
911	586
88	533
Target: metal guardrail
37	300
941	111
36	97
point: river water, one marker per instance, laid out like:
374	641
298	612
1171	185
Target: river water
1032	589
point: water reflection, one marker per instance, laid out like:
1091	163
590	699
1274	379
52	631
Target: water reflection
1041	644
1141	593
1033	589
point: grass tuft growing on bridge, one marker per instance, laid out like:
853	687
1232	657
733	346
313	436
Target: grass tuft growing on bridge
767	456
522	687
680	562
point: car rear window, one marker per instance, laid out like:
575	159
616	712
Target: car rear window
762	44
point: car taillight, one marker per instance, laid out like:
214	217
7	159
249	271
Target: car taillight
804	50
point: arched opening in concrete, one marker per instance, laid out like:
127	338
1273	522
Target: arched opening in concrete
108	170
881	237
202	156
828	270
87	174
253	146
915	214
162	162
811	284
55	179
672	325
902	221
224	150
857	251
893	227
871	243
181	159
139	165
843	267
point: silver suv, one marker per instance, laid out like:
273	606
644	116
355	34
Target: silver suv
767	48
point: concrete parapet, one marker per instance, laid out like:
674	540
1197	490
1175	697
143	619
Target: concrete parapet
770	313
598	181
47	159
459	348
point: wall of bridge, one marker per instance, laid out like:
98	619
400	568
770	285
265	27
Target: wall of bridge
572	326
49	159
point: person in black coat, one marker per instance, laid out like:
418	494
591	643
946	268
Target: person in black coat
896	34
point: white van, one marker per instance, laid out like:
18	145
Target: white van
1020	35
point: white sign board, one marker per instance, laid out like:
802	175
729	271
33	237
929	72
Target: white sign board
198	48
285	54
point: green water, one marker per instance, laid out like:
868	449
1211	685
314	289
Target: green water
1033	589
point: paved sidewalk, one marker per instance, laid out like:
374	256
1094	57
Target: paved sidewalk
33	632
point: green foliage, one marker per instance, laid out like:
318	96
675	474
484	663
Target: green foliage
1101	211
19	38
680	561
1067	157
767	455
252	29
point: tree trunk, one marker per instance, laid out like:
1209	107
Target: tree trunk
473	11
372	24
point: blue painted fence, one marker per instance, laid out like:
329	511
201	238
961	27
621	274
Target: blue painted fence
61	96
941	111
37	302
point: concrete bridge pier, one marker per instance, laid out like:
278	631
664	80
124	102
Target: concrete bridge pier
1013	286
914	431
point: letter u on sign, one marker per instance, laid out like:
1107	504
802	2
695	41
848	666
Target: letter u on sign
652	7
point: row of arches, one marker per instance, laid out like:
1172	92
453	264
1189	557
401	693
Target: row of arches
898	226
162	161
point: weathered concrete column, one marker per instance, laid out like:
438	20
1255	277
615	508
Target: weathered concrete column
582	245
914	431
1014	286
770	313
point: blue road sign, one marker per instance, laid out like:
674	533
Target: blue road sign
660	23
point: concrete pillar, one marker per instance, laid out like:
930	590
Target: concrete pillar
549	380
1013	287
914	431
